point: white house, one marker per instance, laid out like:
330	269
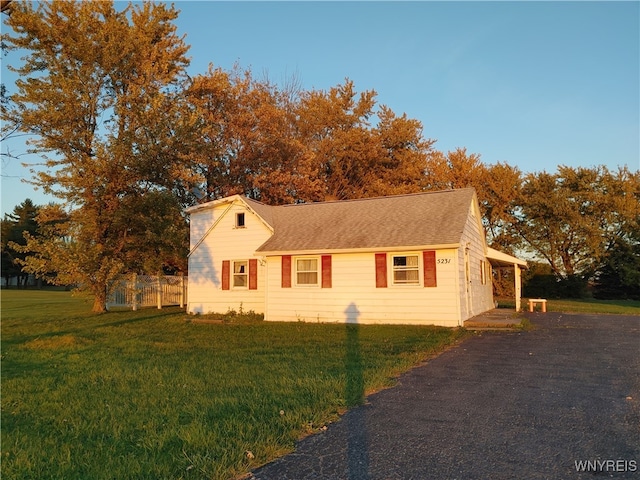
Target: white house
406	259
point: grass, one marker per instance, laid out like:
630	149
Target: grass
150	394
592	305
587	305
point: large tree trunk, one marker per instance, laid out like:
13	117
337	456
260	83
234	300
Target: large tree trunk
567	263
100	301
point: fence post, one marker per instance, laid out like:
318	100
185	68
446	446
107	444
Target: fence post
134	291
159	291
181	291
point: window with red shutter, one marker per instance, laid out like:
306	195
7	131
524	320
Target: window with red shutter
240	274
326	271
253	274
226	274
307	272
430	275
381	270
406	270
286	271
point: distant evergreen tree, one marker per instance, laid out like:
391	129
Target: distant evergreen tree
619	275
14	225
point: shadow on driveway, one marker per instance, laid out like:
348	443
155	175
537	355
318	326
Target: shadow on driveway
549	403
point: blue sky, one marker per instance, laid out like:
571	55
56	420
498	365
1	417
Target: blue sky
532	84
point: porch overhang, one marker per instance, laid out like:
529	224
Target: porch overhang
502	260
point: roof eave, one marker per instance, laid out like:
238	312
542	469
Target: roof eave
212	204
226	200
399	248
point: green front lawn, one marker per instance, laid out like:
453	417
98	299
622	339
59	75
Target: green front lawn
588	305
150	394
592	305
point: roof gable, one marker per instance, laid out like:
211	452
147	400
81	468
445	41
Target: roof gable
261	211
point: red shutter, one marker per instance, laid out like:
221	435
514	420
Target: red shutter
286	271
429	260
381	270
226	274
326	271
253	274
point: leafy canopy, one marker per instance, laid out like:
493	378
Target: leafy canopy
99	90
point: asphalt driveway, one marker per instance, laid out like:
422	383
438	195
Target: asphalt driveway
561	401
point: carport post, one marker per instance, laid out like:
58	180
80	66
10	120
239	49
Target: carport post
518	286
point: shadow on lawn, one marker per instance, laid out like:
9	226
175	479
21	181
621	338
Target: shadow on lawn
357	448
112	319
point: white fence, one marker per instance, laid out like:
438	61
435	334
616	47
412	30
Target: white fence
135	291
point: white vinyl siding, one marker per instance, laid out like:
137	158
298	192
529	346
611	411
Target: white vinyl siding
475	296
355	298
225	242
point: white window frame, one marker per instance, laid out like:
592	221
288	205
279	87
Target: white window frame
244	220
417	268
245	274
318	272
483	272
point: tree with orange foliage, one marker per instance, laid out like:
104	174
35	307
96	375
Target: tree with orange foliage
285	145
355	156
574	218
497	186
246	139
98	91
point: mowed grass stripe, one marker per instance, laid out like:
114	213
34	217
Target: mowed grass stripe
150	394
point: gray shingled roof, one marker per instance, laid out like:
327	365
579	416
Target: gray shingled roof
422	219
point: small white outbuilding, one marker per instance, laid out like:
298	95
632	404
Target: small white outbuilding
405	259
